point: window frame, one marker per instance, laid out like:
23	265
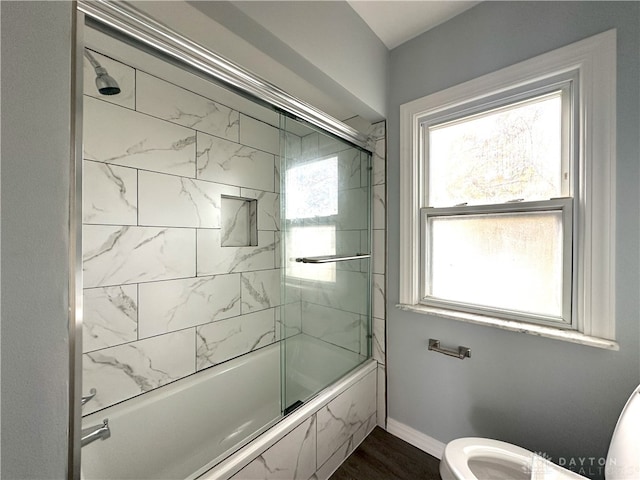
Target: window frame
593	63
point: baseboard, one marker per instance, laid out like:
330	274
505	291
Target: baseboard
414	437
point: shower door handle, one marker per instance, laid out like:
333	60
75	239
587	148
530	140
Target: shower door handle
333	258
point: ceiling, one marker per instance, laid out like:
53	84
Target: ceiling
396	21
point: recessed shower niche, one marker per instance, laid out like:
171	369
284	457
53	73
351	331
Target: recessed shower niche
239	219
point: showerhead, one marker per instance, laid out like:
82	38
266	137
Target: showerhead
105	83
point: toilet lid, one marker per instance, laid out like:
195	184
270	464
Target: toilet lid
623	459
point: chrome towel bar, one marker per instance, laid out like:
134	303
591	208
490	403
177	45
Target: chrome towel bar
333	258
461	353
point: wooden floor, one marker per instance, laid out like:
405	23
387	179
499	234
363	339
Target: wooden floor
383	456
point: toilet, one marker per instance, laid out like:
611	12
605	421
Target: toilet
485	459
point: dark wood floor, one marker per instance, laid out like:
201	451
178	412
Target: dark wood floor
383	456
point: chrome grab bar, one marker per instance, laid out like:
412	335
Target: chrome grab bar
86	398
461	353
333	258
94	433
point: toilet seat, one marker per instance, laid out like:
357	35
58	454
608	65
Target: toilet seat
458	453
500	460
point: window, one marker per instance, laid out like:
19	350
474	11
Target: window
508	197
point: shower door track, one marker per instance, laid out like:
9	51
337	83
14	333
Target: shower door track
132	23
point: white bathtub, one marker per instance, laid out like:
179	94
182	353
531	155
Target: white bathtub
184	429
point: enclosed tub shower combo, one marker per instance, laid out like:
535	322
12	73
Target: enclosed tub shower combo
225	251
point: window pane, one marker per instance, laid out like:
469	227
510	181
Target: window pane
510	261
505	154
312	189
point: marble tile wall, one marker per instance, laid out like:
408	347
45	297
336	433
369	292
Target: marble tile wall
317	447
163	297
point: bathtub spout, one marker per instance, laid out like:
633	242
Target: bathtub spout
92	434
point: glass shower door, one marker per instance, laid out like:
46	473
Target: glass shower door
325	314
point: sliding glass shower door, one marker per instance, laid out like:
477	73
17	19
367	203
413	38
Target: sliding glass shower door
325	326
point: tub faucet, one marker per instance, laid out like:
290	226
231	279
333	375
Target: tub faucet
94	433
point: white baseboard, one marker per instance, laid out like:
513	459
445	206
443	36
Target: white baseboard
418	439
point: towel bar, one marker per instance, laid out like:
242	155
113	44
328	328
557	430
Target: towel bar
333	258
461	353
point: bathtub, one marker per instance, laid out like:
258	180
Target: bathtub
187	428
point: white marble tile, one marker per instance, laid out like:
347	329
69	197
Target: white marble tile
276	174
113	134
122	372
110	316
172	103
381	408
349	242
347	292
378	130
364	336
119	255
333	326
378	251
121	73
268	208
352	209
349	169
214	258
309	147
378	296
109	194
178	304
327	469
260	290
288	320
167	200
260	135
293	145
292	458
379	175
278	249
345	415
342	453
220	341
378	205
378	342
328	145
222	161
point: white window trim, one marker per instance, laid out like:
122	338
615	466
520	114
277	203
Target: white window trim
594	60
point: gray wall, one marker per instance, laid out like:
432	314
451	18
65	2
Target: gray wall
327	43
545	395
36	66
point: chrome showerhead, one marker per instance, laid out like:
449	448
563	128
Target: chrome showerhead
105	83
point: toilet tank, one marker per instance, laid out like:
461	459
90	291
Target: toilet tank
623	459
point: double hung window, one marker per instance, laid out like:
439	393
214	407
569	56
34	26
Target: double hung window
508	197
497	228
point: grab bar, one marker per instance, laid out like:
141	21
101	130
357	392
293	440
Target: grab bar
332	258
94	433
461	353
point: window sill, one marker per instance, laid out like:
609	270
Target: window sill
538	330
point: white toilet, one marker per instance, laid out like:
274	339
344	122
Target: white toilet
485	459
